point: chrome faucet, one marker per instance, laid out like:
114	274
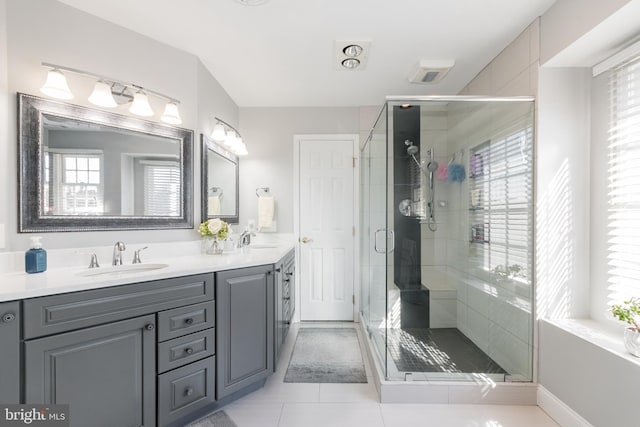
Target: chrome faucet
117	253
245	238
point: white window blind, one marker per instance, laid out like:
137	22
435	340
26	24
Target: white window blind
624	182
500	204
161	188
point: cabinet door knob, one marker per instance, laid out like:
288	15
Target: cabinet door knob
278	270
149	326
8	317
188	321
188	350
188	391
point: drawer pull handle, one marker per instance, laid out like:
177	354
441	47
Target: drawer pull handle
286	298
188	321
288	273
188	391
278	270
149	326
188	350
8	317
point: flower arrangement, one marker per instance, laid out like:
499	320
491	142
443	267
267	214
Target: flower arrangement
216	228
628	312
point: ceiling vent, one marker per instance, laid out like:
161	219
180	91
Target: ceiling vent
351	54
428	72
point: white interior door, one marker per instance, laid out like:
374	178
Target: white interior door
326	228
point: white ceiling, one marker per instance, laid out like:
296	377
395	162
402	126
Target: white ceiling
282	53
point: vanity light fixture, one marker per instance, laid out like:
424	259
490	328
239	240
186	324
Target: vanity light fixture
224	133
104	90
171	114
56	85
102	96
140	105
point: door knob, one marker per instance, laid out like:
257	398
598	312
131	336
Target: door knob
306	240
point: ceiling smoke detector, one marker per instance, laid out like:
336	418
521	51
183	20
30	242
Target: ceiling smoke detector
430	71
351	54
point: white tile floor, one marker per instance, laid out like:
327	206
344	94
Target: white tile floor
280	404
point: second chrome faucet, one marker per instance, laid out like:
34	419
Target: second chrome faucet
117	253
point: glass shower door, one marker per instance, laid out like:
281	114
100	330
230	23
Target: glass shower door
374	241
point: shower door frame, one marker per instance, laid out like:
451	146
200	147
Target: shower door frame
533	331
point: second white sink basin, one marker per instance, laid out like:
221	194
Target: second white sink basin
121	269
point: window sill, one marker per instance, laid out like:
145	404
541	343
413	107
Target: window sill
606	337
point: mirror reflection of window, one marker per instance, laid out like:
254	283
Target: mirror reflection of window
73	183
161	191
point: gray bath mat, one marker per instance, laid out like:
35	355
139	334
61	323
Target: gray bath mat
326	355
219	419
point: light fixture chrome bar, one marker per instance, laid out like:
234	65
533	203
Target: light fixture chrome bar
109	79
227	125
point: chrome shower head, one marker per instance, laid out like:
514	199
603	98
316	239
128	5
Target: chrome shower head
411	149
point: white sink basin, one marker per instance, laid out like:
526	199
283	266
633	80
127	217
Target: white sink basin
121	269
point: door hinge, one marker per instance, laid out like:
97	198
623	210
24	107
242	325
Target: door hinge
354	162
353	231
353	299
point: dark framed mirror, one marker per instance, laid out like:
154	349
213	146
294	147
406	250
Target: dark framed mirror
220	189
83	169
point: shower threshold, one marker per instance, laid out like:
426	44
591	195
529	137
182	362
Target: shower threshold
443	387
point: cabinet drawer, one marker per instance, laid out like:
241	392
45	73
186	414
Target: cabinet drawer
185	390
186	320
61	313
180	351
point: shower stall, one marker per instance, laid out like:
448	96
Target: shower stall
446	247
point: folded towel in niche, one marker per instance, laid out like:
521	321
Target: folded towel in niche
265	211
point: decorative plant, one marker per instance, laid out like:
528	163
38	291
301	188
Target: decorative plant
214	228
628	312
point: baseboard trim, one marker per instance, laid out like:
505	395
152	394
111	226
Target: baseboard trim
558	410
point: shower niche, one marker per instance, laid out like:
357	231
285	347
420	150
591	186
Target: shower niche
446	250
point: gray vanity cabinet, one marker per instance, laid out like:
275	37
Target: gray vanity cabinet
244	324
106	373
284	300
9	352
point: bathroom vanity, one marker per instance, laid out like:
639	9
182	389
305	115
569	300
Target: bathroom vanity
150	352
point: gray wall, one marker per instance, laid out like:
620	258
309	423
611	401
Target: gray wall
49	31
268	134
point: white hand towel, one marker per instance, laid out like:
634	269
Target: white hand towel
265	211
214	205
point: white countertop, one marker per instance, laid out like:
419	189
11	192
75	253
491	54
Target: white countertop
183	260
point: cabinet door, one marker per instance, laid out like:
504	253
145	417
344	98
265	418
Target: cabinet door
279	311
244	325
106	374
9	353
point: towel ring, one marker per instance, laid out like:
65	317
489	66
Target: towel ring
264	189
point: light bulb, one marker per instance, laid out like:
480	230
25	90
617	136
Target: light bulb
56	85
102	96
171	114
218	134
140	105
230	140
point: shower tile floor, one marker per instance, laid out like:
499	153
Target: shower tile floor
438	350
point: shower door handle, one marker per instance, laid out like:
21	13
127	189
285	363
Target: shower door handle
375	240
393	241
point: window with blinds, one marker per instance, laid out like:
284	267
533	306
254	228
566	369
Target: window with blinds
624	182
161	188
500	206
73	183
